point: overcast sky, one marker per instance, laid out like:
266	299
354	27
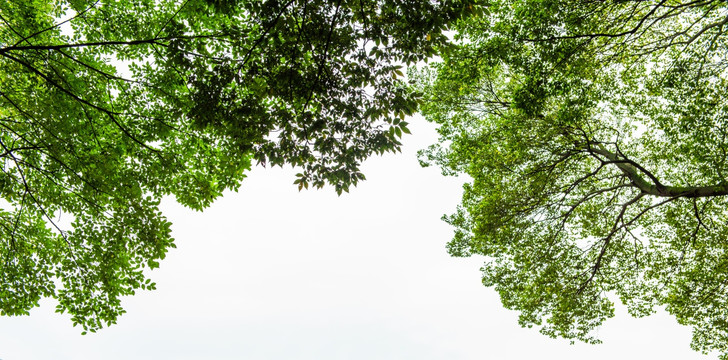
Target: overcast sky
271	273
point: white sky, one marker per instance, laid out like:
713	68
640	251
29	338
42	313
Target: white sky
271	273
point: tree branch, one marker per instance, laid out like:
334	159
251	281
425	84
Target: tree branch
632	170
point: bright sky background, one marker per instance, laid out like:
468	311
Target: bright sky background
271	273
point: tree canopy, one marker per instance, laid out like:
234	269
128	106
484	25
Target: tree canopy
107	106
595	135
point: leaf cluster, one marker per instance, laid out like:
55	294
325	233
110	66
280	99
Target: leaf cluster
594	135
107	106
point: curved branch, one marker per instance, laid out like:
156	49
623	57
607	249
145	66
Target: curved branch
633	171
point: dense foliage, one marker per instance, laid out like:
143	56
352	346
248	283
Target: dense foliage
596	137
107	106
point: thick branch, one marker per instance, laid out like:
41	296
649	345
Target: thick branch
633	171
154	41
80	45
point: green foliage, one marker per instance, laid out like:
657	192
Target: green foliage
107	106
594	133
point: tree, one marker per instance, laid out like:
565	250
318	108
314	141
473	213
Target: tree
595	135
107	106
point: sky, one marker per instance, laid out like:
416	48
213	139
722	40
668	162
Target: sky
274	273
